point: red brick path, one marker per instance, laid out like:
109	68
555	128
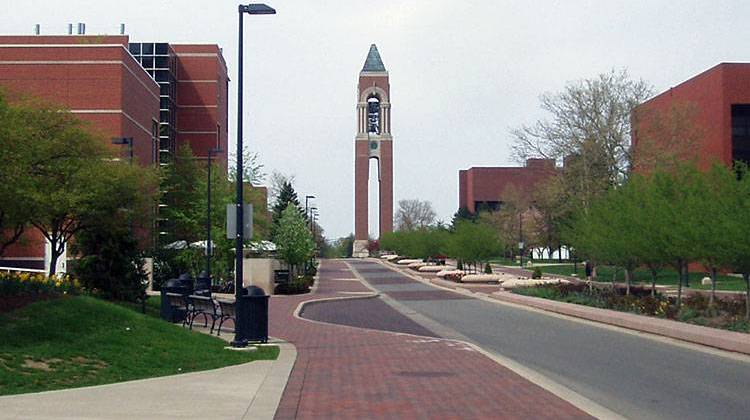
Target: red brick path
348	372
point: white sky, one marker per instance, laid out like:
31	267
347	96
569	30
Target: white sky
462	72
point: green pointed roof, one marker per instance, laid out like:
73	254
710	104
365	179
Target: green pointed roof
373	62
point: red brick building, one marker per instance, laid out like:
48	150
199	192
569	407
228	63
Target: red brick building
158	94
488	187
720	97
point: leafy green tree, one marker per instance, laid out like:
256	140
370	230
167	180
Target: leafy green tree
73	179
738	230
474	242
286	197
185	198
294	241
16	157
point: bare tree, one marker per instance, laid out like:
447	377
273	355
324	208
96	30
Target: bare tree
252	168
414	214
277	182
590	118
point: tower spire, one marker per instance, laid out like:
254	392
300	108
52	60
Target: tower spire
373	62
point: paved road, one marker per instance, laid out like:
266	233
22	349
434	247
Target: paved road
634	376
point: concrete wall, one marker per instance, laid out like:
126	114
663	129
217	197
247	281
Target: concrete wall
259	272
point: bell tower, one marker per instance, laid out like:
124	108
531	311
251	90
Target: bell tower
373	141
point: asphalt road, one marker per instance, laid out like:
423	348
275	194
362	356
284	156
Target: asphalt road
634	376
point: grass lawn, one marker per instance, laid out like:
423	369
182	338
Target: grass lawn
79	341
665	277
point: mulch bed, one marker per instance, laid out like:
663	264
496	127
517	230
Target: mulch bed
12	303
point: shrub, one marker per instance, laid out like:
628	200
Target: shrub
487	268
297	286
460	265
537	274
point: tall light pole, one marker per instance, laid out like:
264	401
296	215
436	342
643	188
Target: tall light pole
209	245
520	237
240	340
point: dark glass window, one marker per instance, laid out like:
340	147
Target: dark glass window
134	48
147	62
161	48
163	130
164	116
164	88
148	49
162	75
741	132
161	62
164	103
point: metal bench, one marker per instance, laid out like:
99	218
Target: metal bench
205	306
226	311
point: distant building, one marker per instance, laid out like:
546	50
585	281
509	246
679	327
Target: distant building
486	188
159	94
721	98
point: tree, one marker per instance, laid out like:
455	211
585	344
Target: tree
414	214
15	159
472	242
252	168
738	230
73	178
185	198
590	118
294	241
285	198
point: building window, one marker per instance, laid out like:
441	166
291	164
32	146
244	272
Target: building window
373	115
148	49
162	48
741	133
134	49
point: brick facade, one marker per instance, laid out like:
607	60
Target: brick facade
713	94
489	186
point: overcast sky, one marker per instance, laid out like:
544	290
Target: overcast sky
463	73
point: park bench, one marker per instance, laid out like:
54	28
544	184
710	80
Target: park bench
205	306
226	311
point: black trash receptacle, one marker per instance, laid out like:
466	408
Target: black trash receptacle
183	286
203	285
254	308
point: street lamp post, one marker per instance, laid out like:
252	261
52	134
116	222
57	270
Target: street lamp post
209	245
520	237
307	197
239	337
129	142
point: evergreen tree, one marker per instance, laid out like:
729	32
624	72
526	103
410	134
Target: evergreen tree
287	196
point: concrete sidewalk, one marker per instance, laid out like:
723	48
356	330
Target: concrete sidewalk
349	372
248	391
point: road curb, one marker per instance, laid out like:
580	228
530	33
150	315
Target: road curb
721	339
729	341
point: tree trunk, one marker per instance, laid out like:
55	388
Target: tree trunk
614	279
679	284
653	283
559	254
628	279
713	287
687	275
56	250
746	276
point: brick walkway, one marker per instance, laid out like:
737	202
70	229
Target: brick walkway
347	372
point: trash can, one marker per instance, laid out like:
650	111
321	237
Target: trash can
183	286
203	285
254	310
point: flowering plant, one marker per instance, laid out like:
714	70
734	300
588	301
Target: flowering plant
36	283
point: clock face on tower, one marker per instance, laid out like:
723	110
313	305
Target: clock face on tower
373	145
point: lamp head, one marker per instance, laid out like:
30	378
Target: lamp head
257	9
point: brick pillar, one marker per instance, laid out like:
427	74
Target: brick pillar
386	187
361	180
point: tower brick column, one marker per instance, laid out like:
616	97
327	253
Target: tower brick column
361	183
386	186
373	141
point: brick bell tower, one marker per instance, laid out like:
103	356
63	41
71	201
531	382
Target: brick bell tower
373	141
